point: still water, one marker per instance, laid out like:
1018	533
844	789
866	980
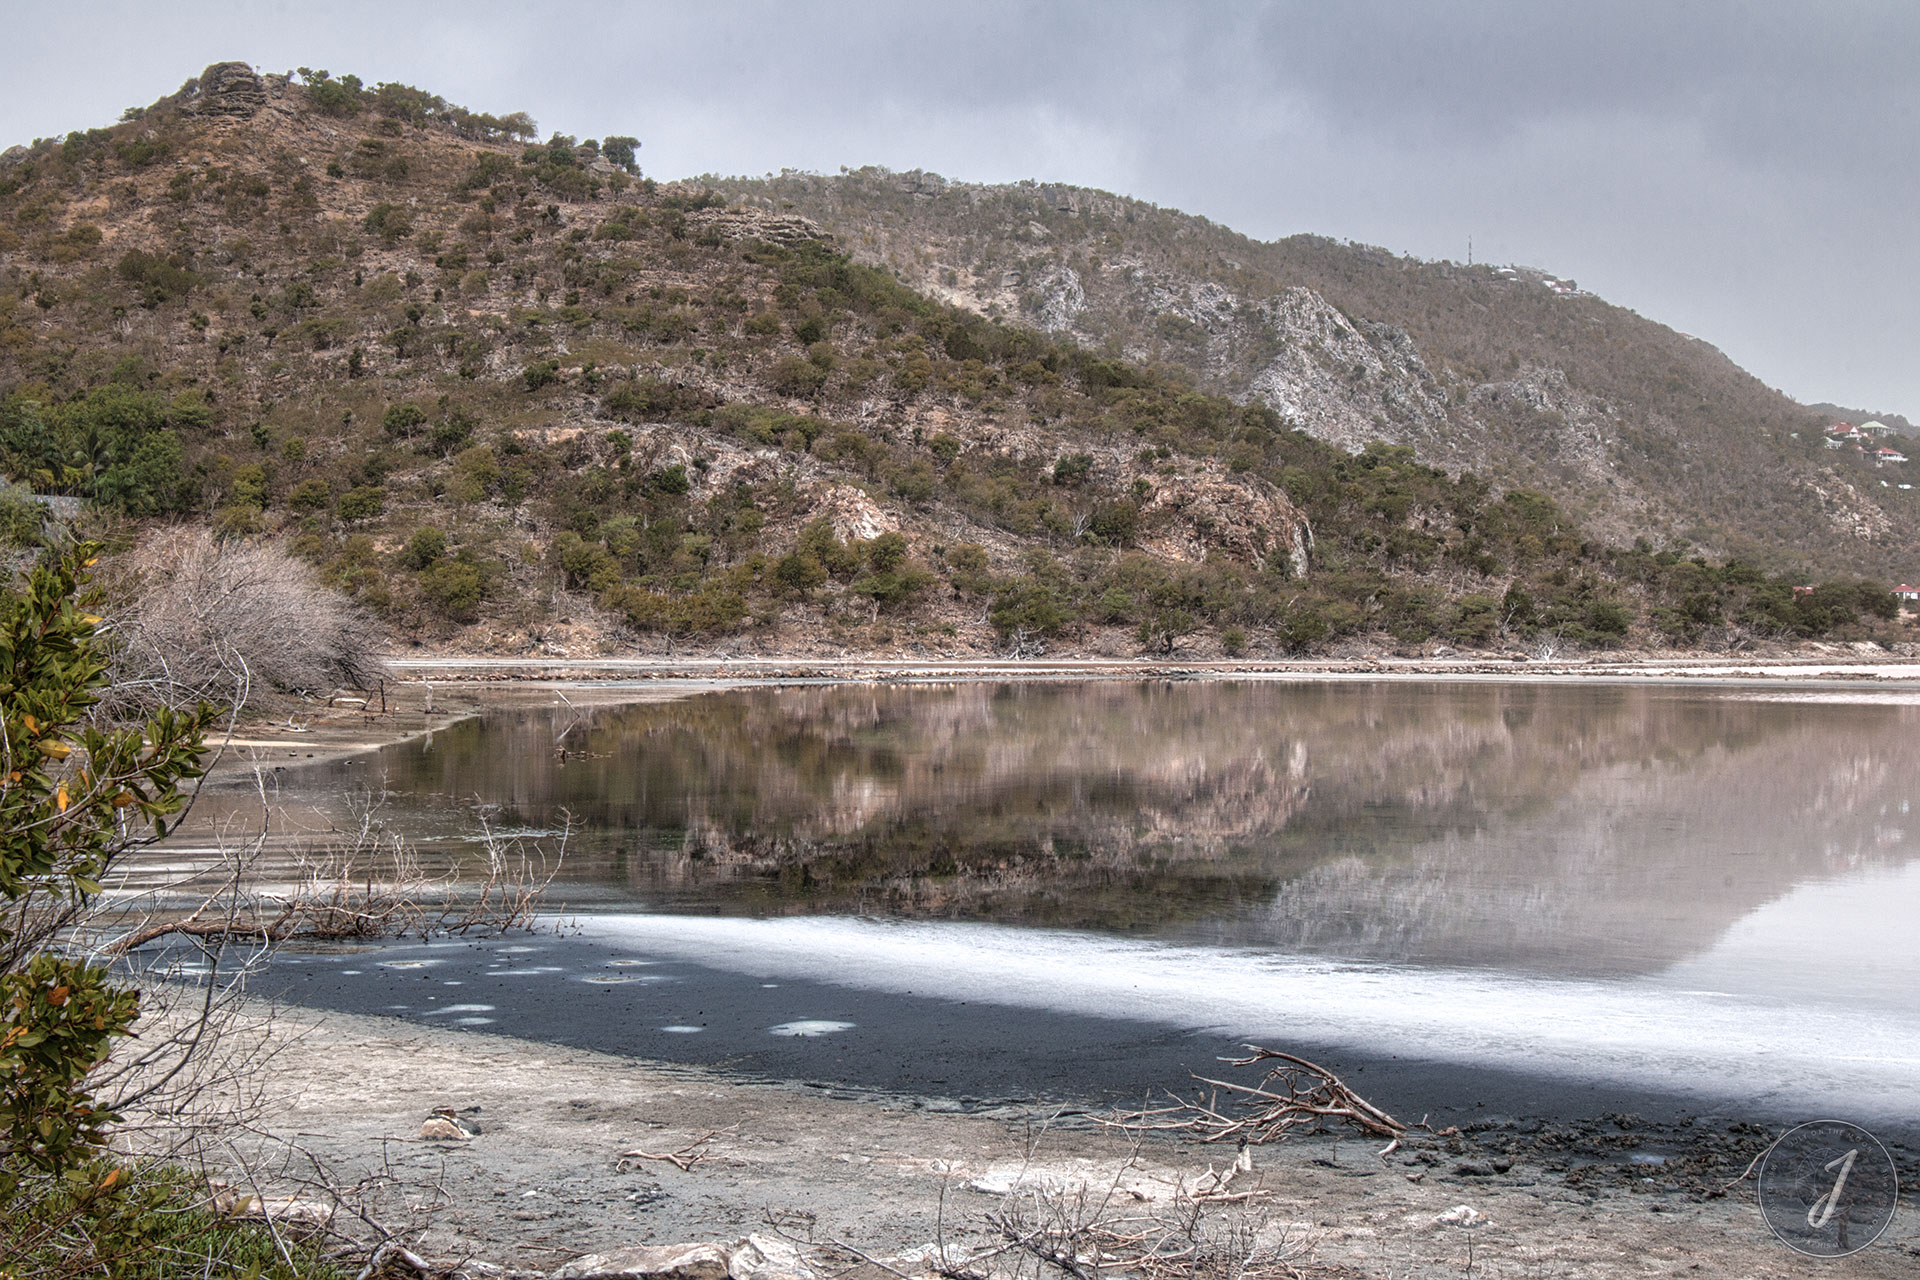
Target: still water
1715	886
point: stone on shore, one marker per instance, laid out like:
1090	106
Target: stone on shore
767	1258
650	1262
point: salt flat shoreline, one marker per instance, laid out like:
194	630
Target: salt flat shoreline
551	1175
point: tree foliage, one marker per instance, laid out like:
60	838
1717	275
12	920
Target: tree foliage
74	797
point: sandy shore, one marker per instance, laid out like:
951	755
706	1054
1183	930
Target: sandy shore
547	1179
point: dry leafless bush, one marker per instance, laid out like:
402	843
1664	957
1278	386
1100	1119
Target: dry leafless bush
364	882
1138	1222
197	616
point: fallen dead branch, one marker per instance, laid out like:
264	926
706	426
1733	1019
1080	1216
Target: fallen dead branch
684	1159
1294	1093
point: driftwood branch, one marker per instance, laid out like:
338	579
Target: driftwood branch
684	1159
1293	1093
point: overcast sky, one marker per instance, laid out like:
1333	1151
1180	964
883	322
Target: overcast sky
1743	171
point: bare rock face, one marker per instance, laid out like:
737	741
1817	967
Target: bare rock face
650	1262
1243	516
1346	382
747	223
228	89
1058	300
855	516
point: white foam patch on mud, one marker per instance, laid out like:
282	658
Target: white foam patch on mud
458	1008
809	1027
1782	1051
680	1030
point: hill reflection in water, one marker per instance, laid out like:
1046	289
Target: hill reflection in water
1568	830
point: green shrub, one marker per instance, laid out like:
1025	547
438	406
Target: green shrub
585	564
391	222
1608	618
476	472
456	587
402	421
157	278
22	520
154	1223
895	587
797	377
620	150
452	431
342	97
363	503
311	495
1073	469
426	545
1028	604
1303	626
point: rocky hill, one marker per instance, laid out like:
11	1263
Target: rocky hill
516	397
1513	373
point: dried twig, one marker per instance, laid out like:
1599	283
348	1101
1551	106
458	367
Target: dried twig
684	1159
1292	1094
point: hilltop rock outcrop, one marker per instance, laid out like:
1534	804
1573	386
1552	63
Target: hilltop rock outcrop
228	89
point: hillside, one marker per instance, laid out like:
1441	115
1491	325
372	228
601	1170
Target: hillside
1512	373
515	397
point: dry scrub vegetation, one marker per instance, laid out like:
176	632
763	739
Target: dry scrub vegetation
512	395
205	618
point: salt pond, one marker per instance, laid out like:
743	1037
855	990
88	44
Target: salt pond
1702	890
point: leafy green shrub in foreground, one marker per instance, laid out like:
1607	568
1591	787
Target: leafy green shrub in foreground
74	797
154	1224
